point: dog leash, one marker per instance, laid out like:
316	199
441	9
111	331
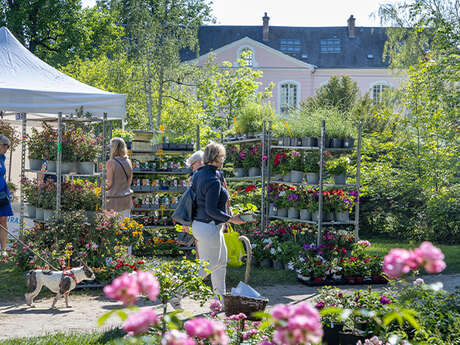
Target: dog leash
27	247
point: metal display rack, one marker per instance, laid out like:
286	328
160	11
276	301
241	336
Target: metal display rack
321	147
60	120
264	139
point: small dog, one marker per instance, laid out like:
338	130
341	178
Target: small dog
61	282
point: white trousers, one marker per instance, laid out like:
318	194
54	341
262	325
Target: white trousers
212	249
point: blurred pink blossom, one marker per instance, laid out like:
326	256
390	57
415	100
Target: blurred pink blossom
124	289
216	306
433	258
176	337
204	328
148	284
396	262
140	322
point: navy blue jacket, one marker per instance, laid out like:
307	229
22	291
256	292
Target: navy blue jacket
211	197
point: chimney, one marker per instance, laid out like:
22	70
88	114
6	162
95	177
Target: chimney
266	28
351	26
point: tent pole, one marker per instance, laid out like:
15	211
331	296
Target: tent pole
104	157
23	174
59	166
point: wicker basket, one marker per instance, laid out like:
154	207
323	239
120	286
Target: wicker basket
242	304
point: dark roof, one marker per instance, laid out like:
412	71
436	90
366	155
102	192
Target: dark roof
362	51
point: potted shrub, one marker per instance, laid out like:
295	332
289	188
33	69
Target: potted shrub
293	210
86	154
253	160
31	194
338	168
238	157
296	167
48	199
279	166
43	145
311	167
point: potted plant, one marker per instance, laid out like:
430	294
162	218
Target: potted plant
42	145
238	157
293	210
31	194
296	167
304	204
311	167
246	211
344	203
48	199
279	166
338	168
282	203
253	160
127	136
288	251
86	154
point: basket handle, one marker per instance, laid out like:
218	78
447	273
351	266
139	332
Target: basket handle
248	246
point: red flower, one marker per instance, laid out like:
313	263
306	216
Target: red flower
250	188
318	279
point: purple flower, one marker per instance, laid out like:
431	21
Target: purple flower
242	155
319	305
385	300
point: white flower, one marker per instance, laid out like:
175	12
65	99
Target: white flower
290	266
254	245
266	240
301	259
282	193
279	249
272	251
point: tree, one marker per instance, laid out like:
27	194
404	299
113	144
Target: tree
59	31
157	31
225	90
341	93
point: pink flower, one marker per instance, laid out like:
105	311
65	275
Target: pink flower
239	316
204	328
297	324
124	288
140	322
216	306
385	300
419	281
148	284
242	155
433	258
266	342
397	262
364	243
176	337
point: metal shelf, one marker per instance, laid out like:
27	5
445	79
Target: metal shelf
311	148
153	227
244	178
315	185
160	191
242	141
62	174
161	172
311	221
151	209
165	152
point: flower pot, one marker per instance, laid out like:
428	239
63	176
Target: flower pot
293	142
67	167
349	338
359	280
266	263
342	216
312	178
31	211
315	216
279	141
35	164
282	212
240	172
305	214
309	142
296	176
277	177
90	216
340	179
254	171
286	141
272	211
293	213
39	213
86	168
350	280
348	142
303	278
337	143
327	142
48	214
331	335
51	166
278	265
287	178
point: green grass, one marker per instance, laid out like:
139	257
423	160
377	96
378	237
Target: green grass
380	247
12	281
68	339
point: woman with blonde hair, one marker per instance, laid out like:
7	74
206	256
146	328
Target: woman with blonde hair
209	214
119	178
5	205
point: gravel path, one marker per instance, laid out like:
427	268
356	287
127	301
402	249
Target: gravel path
17	320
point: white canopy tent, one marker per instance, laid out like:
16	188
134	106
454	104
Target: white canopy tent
29	85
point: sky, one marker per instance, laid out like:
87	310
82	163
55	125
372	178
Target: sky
293	12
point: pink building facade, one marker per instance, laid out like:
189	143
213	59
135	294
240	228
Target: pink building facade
300	60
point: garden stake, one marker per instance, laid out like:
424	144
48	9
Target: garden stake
25	246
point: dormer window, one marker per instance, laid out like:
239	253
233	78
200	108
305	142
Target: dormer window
330	45
290	46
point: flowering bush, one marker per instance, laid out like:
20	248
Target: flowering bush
295	161
278	164
42	144
338	166
253	156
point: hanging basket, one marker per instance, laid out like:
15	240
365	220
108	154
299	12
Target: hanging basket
241	304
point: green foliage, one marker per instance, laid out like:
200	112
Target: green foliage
340	93
125	135
251	117
311	162
338	166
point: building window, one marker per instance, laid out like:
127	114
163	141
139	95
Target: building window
377	91
330	45
290	46
248	55
288	97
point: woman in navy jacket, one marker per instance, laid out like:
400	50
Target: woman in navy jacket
210	215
